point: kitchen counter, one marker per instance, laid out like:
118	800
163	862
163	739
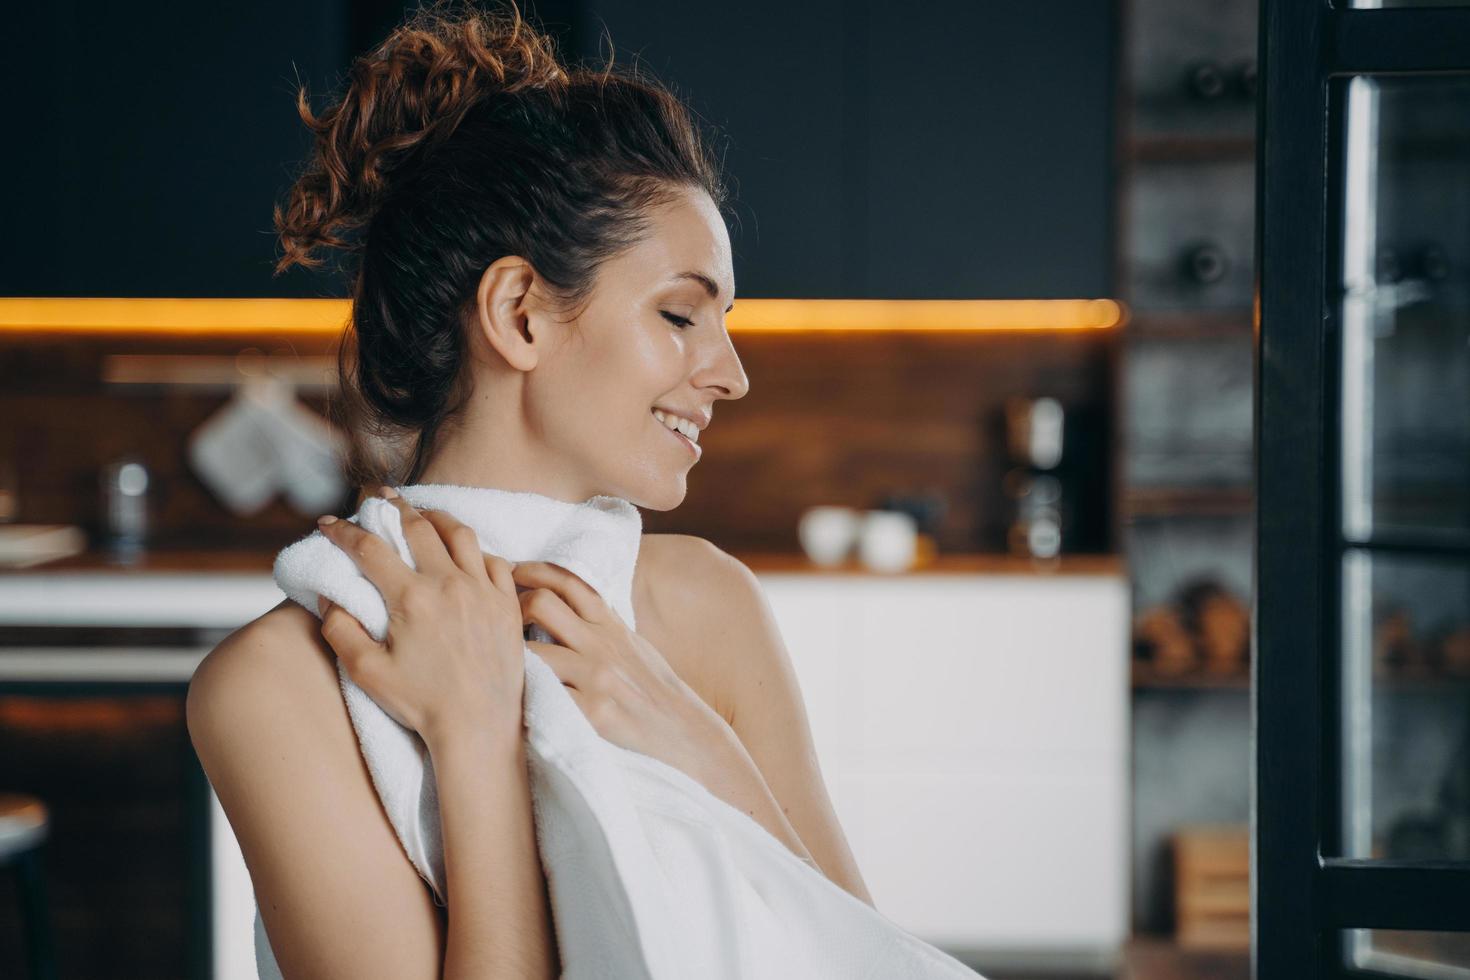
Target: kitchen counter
223	589
103	621
137	597
966	563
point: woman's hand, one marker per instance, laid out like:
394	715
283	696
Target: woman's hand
622	683
453	658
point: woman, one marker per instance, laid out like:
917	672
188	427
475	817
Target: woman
542	280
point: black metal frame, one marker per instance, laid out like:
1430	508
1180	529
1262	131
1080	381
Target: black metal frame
1302	896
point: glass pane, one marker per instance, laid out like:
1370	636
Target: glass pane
1406	305
1432	955
1408	3
1406	703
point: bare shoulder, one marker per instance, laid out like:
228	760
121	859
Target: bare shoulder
274	671
272	654
677	570
696	562
687	594
271	730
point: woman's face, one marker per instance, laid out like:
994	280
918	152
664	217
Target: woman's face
651	336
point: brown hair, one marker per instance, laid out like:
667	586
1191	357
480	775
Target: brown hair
458	140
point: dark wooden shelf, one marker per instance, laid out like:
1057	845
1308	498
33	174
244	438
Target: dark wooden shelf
1190	149
1421	682
1190	324
1188	501
1146	677
1150	957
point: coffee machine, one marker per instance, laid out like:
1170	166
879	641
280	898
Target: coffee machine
1034	435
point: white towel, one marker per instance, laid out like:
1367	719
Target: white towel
650	875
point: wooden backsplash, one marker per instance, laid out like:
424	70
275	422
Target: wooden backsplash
830	418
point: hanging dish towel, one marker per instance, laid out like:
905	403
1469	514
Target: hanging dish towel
651	876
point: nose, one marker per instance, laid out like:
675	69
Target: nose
723	371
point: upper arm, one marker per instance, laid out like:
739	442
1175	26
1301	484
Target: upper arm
740	635
337	894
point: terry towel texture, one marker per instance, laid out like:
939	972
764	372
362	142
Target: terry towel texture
650	875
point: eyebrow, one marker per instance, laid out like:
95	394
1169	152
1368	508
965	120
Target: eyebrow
705	281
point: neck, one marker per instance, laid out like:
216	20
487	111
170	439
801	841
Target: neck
469	456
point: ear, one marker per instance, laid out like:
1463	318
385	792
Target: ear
502	311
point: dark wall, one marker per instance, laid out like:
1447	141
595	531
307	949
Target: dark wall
990	136
769	79
152	139
950	149
959	151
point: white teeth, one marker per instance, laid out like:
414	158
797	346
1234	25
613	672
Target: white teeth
678	424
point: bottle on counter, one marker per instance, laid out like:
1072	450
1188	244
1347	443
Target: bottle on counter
125	508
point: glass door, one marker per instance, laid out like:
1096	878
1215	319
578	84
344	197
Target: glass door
1361	697
1405	505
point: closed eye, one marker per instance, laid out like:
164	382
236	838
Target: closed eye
677	320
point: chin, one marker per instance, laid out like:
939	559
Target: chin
665	496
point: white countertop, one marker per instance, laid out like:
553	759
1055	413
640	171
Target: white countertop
212	600
215	602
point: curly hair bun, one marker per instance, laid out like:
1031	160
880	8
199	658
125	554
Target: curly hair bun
403	98
457	141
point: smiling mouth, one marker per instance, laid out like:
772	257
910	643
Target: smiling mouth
690	445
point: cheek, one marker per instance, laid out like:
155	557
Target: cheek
616	385
648	366
612	404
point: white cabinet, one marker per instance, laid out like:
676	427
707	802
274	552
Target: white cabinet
973	733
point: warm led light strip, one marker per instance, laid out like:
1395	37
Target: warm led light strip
193	317
769	315
327	317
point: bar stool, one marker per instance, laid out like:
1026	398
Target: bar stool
23	829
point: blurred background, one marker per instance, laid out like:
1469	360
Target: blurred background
994	267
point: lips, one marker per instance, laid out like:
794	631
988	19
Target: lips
693	447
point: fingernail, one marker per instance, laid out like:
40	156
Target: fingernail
388	492
326	519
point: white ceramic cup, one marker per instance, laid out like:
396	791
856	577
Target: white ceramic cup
888	540
827	533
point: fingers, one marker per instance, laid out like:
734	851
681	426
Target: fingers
569	666
460	539
584	703
374	557
464	548
576	593
346	636
499	571
424	542
549	611
595	693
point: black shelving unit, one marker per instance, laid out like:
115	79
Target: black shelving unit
1185	167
